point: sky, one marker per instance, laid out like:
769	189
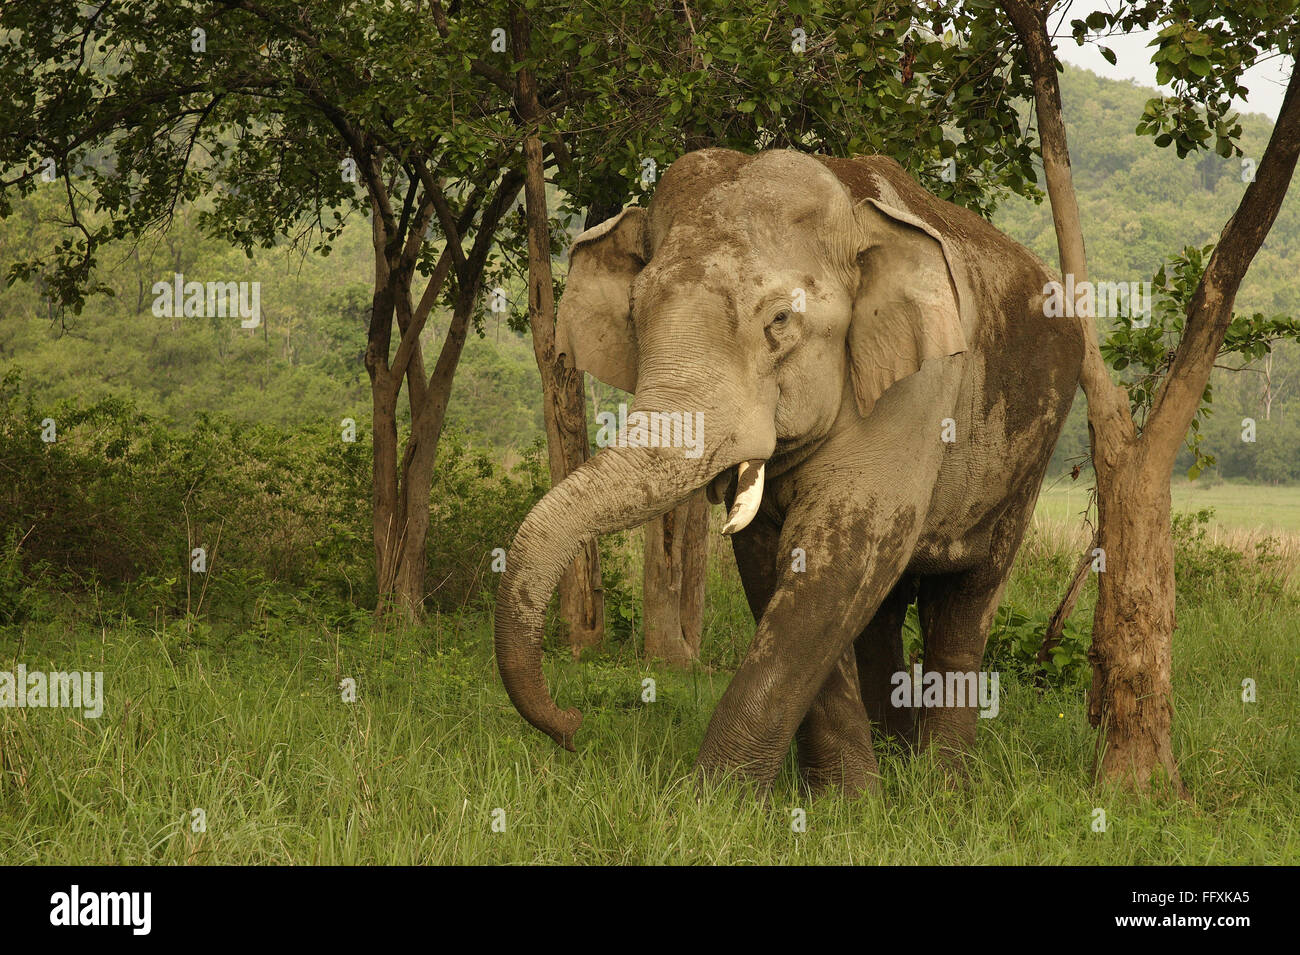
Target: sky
1266	82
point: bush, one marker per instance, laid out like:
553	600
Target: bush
119	503
475	509
1203	567
22	592
1014	641
118	500
1017	637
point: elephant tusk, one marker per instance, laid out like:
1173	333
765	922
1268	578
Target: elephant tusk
749	494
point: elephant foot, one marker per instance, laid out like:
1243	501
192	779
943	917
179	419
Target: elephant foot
834	739
835	753
714	771
950	737
826	764
851	777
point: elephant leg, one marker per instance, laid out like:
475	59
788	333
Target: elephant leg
853	559
834	739
755	548
956	612
856	522
879	651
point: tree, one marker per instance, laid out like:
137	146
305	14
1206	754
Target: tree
676	563
563	399
290	116
1202	49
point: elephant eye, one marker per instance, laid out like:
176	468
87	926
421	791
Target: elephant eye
775	330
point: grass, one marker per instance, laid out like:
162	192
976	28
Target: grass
1251	519
1237	507
250	727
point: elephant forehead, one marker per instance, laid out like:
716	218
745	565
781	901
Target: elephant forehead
733	278
763	206
733	266
755	238
762	234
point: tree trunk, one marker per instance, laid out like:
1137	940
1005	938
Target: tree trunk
1113	435
676	554
388	517
400	499
429	401
401	489
582	602
695	571
1131	700
1268	386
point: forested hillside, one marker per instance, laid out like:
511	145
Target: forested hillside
1140	205
302	367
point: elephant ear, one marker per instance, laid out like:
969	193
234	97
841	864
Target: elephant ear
594	322
906	306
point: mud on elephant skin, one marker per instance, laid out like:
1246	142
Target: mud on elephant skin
878	386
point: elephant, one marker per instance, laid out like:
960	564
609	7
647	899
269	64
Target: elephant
879	391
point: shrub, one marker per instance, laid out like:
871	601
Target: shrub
120	501
1203	566
475	508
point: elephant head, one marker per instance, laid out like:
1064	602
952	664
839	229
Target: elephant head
755	295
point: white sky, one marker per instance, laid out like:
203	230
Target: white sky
1266	82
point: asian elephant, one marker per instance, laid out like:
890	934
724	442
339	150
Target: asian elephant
879	393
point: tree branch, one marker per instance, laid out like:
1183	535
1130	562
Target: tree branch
1110	420
1209	314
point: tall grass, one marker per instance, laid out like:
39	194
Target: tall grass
226	736
250	727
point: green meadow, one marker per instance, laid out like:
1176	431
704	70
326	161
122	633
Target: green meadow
1237	507
230	742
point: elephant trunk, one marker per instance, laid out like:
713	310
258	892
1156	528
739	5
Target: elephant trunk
619	488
